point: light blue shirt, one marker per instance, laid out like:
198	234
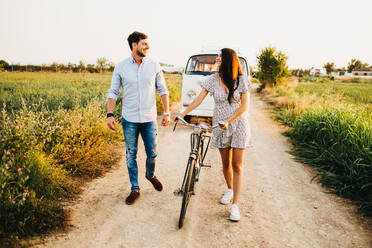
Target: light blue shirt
139	84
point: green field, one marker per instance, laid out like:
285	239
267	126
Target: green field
53	138
354	93
331	129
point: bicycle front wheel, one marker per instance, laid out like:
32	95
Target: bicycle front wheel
187	192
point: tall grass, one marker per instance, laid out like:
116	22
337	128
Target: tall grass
174	85
331	129
339	144
53	134
53	90
42	152
69	91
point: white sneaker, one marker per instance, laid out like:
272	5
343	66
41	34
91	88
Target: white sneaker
227	197
234	214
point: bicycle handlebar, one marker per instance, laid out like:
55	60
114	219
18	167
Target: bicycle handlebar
199	124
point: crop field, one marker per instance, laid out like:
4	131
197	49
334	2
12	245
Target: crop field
53	137
331	129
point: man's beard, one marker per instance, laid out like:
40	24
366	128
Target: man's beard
141	54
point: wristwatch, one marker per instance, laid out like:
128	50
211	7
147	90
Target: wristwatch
166	113
110	114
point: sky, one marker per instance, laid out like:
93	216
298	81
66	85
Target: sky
310	33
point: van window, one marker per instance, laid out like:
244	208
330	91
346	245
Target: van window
206	65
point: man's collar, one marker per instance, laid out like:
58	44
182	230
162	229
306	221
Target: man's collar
144	59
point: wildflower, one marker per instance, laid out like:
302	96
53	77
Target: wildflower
19	169
23	199
6	166
7	153
13	202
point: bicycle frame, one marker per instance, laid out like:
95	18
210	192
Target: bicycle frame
198	151
199	141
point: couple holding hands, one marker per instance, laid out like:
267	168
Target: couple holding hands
140	77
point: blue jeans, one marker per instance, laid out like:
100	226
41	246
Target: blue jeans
148	131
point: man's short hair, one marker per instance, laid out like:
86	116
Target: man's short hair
135	37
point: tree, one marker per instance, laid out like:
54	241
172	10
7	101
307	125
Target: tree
61	67
71	66
81	66
101	64
4	64
251	71
272	67
54	65
355	64
330	67
111	66
90	68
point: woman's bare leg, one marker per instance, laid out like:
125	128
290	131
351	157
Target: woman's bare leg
237	166
226	157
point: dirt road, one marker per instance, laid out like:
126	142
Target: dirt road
279	205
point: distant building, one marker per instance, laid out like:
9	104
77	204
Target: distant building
314	72
336	73
362	72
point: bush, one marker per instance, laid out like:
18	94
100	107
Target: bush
40	152
339	144
174	85
330	127
53	132
30	179
272	67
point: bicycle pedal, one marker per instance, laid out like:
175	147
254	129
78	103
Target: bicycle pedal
206	165
178	192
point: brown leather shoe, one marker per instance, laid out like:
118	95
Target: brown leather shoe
132	197
156	183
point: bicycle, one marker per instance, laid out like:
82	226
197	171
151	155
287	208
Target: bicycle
199	149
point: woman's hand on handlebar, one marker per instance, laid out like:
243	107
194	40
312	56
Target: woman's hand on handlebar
179	115
223	125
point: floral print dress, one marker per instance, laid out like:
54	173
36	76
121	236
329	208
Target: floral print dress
238	134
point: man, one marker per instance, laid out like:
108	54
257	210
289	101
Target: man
140	77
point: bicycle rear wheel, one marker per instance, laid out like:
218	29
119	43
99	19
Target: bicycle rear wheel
187	192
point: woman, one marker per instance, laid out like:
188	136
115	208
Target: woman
230	90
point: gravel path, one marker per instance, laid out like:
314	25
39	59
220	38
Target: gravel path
279	205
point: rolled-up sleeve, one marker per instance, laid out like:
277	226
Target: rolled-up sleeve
160	86
114	90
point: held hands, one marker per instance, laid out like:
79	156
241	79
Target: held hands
111	123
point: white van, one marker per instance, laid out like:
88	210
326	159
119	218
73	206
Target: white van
198	68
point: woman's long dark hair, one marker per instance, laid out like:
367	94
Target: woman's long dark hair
230	70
